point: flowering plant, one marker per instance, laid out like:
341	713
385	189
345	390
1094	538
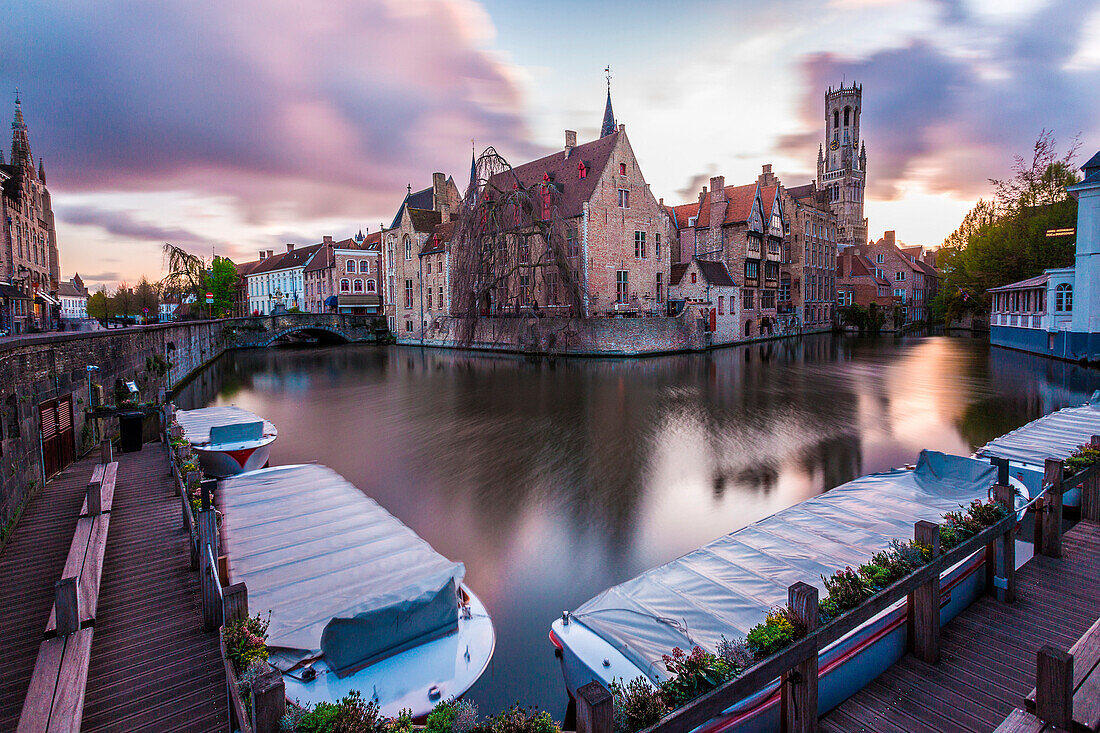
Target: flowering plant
1085	456
246	641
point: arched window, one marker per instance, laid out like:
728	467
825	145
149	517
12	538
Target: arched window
748	328
371	287
358	287
1063	297
345	285
847	115
836	123
349	266
408	248
364	266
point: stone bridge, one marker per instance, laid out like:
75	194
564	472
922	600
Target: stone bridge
253	331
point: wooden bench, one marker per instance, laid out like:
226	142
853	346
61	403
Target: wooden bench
106	478
55	698
1085	684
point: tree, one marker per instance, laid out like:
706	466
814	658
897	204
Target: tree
100	306
146	299
124	301
186	275
221	280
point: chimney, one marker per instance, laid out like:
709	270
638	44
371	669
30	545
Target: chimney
767	168
327	239
289	247
270	253
570	141
263	255
889	237
661	201
717	183
439	191
717	212
767	178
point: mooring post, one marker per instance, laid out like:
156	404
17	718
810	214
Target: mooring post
595	709
268	701
1005	579
1090	492
924	610
67	609
105	451
1052	508
236	602
208	574
1054	687
94	496
799	687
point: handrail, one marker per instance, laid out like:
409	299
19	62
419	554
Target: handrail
706	706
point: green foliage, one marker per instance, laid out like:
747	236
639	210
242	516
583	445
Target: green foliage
517	719
847	588
350	714
100	306
780	628
638	704
865	320
1085	456
441	719
692	674
246	641
221	280
736	653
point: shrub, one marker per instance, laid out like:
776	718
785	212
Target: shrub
522	720
1085	456
638	704
875	576
321	719
692	674
779	629
846	588
246	641
465	719
441	719
351	714
736	653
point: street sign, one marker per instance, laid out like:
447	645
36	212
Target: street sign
209	297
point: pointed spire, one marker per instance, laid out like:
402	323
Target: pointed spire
1	156
20	145
473	166
608	113
42	170
359	237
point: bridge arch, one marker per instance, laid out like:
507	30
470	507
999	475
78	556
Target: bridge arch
306	329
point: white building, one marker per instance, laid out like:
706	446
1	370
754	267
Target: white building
74	299
1058	313
279	280
708	292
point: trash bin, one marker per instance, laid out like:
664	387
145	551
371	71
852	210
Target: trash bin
129	428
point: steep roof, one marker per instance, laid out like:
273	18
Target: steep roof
739	201
682	214
677	274
860	266
420	200
564	173
297	257
715	272
437	243
246	268
804	191
69	290
424	220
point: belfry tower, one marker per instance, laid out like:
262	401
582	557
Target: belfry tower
842	163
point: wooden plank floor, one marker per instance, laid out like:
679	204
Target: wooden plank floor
987	662
29	566
153	668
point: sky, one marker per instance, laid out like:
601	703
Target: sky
233	127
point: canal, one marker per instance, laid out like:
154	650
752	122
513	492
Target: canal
552	482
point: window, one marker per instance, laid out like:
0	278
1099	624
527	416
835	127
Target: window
752	270
428	300
408	325
409	295
1063	297
551	281
748	328
899	276
767	299
899	293
694	277
747	300
622	169
657	245
879	258
660	287
441	298
624	198
364	266
721	305
621	286
524	251
639	245
372	287
349	266
847	112
408	248
581	170
429	267
572	248
345	285
836	118
357	286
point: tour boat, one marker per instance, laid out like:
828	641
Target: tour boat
726	587
227	440
1056	435
357	600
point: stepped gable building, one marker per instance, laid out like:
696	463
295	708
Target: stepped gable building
842	163
29	262
859	282
913	282
415	222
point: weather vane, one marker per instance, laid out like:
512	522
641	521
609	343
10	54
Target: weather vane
607	71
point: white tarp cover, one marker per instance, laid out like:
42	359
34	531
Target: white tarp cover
1056	435
196	424
340	575
726	587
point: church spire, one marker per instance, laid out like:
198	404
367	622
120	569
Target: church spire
20	145
42	171
608	113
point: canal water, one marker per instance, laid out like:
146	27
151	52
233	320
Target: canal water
552	482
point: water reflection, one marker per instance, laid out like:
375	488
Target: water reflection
553	481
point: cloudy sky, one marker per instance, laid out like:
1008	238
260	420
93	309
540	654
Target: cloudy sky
236	126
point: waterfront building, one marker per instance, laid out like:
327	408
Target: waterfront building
435	271
73	297
1057	313
708	292
279	280
842	163
355	276
913	282
416	221
29	260
859	282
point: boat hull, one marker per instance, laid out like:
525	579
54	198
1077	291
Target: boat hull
416	679
225	461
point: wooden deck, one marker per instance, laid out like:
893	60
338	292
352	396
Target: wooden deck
987	664
152	668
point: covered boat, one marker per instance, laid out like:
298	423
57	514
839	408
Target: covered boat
227	439
358	601
1056	435
726	587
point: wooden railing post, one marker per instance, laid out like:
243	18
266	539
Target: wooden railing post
595	709
1052	509
1054	687
1090	493
208	575
94	494
1004	579
924	603
105	452
66	606
799	685
269	702
236	603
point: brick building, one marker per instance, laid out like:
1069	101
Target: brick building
352	282
709	293
415	222
859	282
913	282
29	262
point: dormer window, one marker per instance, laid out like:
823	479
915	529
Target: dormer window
622	169
546	178
581	170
